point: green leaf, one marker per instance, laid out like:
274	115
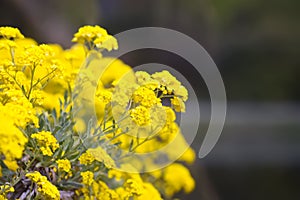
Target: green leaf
72	184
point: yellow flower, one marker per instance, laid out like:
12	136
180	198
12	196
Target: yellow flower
104	96
140	115
98	190
98	154
12	140
133	187
64	165
170	115
108	42
145	97
103	192
95	36
178	104
116	174
89	33
144	79
130	190
7	45
182	93
10	33
167	80
170	85
47	142
4	189
101	155
86	158
44	187
35	55
188	156
34	77
149	193
177	177
87	177
20	110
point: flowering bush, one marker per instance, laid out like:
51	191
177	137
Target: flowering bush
51	147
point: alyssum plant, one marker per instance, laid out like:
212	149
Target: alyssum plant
50	148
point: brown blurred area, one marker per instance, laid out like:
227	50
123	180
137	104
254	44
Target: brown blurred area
256	46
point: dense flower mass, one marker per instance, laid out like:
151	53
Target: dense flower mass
64	165
87	178
46	141
95	36
12	141
51	148
44	187
10	33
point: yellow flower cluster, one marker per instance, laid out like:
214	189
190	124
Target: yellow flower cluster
46	141
77	157
133	187
174	182
104	192
101	155
64	165
12	141
44	187
144	96
95	36
98	154
87	177
96	189
10	33
86	158
4	189
104	96
20	110
140	115
145	92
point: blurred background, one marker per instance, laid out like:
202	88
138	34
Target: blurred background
255	45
